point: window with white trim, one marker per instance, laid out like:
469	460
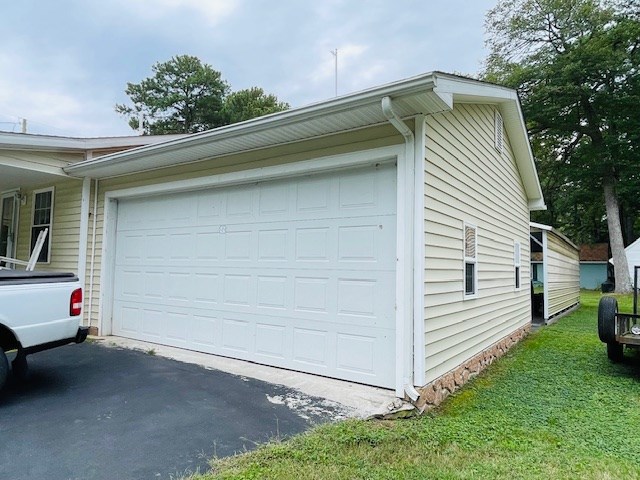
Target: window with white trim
470	260
498	126
41	218
517	263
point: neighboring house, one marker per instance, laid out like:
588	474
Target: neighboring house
555	259
381	237
633	258
593	265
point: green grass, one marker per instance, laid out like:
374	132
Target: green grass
553	408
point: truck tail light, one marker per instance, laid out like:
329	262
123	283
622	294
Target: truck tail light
75	304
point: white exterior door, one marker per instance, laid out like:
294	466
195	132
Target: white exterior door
8	224
296	273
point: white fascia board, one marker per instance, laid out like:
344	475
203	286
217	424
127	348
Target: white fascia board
555	232
539	226
321	111
25	141
51	168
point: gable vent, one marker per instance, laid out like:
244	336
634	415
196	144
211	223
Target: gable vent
469	242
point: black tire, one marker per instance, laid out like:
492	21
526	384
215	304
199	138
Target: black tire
4	368
20	367
615	352
607	309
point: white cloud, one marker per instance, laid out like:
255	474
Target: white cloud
48	97
214	11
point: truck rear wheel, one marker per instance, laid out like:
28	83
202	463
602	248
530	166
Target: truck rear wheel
4	368
20	367
607	309
615	352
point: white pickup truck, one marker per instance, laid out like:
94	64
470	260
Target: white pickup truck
38	311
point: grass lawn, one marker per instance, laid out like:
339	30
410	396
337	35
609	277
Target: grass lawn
553	408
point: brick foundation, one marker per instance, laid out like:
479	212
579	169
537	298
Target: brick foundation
435	392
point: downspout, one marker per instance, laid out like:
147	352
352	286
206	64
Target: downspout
545	275
404	340
85	199
93	250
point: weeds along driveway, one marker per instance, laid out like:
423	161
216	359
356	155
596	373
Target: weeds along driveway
94	412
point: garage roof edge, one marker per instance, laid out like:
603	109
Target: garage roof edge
423	94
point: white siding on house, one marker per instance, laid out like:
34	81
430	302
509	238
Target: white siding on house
468	181
563	275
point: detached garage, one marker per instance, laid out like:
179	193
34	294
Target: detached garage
380	237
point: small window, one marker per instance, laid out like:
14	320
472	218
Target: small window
41	219
516	263
498	132
470	260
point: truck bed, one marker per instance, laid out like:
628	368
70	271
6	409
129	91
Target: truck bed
21	277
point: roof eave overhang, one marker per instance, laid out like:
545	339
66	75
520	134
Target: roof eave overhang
422	95
48	143
411	97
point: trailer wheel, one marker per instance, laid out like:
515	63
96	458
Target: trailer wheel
4	368
615	352
20	367
607	309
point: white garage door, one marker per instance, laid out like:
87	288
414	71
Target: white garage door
296	273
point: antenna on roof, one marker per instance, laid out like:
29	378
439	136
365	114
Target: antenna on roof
335	56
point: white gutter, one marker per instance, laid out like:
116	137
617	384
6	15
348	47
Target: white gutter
404	334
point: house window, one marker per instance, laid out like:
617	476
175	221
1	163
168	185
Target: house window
41	219
470	260
516	263
498	132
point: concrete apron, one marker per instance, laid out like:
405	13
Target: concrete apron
359	401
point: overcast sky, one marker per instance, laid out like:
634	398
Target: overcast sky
64	64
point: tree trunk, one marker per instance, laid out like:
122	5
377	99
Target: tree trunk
621	267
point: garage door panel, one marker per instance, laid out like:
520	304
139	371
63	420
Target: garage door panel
236	334
296	273
205	331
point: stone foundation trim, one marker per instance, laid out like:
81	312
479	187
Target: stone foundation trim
434	393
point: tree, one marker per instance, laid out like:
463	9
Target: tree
576	65
250	103
183	96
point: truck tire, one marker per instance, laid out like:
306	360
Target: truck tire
615	352
607	309
20	367
4	368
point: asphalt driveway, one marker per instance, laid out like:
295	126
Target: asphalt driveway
91	411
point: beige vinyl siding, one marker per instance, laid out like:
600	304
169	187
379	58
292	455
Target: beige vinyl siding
65	227
563	274
369	138
468	180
